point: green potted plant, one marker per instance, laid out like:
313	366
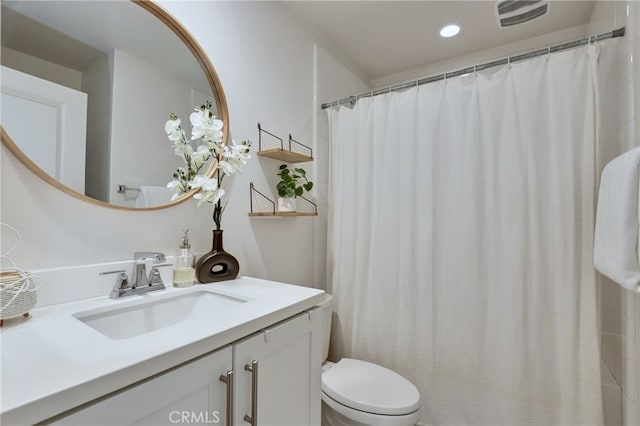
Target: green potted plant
292	184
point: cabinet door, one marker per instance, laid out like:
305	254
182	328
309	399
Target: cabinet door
190	394
286	365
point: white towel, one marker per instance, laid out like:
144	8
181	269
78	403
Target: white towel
152	196
615	251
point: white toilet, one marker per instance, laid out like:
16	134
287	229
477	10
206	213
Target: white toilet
357	392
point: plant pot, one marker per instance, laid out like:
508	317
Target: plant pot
286	204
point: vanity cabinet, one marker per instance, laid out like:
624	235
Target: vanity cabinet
274	375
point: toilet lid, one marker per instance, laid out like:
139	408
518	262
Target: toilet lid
370	387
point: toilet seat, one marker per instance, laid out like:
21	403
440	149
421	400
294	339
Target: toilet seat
370	388
351	416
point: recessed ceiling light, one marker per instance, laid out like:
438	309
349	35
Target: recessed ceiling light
450	30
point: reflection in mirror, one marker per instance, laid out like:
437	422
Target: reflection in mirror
87	88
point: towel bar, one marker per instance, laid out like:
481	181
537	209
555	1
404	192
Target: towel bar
120	189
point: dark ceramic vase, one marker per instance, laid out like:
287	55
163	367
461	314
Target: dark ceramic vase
217	265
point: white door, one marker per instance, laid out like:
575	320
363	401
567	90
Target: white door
285	380
48	122
192	394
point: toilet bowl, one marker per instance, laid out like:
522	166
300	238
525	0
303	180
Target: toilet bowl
356	392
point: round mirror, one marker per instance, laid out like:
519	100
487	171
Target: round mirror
87	88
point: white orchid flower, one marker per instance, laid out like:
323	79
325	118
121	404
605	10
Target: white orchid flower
174	131
230	159
215	147
204	182
176	186
206	125
210	197
226	167
239	151
236	155
204	151
209	191
182	149
200	156
172	125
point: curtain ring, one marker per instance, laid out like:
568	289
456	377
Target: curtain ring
589	42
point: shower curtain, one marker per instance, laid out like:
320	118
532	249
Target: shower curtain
460	241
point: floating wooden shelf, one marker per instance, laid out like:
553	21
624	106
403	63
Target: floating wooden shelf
273	212
282	154
281	214
285	155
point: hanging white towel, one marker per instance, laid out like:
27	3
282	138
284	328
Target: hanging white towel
152	196
616	239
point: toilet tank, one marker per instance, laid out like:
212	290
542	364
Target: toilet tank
326	309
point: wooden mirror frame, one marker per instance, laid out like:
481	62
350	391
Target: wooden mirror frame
216	89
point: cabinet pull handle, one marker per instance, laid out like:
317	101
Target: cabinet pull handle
253	368
228	379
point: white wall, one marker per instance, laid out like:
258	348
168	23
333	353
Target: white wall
619	126
481	57
334	80
141	154
264	59
96	82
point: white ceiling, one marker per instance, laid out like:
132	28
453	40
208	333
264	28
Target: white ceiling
382	38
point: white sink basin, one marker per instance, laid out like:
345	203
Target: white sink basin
155	314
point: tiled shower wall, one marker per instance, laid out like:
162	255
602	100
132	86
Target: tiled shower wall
619	127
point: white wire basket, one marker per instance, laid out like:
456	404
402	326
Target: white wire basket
17	293
17	287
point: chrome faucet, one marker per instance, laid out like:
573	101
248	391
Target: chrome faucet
141	283
140	278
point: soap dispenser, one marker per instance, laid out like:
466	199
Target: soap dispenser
184	275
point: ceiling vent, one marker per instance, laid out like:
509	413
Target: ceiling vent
514	12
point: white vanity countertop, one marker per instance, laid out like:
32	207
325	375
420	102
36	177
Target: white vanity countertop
53	362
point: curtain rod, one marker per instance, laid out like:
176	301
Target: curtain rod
547	50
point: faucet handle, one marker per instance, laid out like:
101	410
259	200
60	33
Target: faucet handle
154	275
121	284
122	280
112	272
157	257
